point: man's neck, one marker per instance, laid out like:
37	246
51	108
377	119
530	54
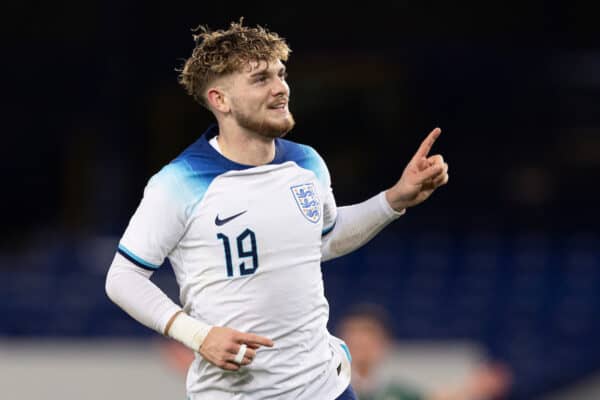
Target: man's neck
244	147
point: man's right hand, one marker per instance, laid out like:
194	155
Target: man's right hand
222	344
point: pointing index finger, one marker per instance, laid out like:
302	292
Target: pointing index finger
252	339
426	145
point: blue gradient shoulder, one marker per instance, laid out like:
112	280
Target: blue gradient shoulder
186	179
306	157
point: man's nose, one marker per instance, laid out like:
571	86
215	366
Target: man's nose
280	87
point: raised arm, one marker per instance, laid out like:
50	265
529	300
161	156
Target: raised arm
355	225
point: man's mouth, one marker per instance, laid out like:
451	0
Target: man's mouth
280	105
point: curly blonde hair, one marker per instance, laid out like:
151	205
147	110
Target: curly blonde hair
218	53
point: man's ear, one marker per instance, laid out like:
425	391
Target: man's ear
217	99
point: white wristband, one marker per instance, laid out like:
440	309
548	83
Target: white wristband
189	331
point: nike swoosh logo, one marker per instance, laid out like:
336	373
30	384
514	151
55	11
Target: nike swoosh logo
223	221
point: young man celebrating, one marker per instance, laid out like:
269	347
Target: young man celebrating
246	218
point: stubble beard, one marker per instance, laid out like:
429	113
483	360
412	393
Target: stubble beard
265	127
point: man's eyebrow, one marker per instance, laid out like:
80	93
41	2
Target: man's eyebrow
266	72
259	73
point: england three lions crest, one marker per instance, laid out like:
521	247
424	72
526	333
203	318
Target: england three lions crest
307	201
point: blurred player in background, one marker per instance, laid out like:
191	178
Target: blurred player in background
365	329
245	218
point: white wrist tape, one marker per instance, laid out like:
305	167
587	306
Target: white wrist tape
189	331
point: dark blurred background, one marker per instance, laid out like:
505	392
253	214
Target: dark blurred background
506	254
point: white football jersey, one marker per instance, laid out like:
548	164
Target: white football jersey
245	246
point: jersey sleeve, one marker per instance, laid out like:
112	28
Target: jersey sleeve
159	221
318	166
329	211
356	225
131	289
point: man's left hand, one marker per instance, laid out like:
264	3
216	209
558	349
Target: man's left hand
420	178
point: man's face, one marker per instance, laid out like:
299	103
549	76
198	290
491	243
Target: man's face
367	340
259	98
